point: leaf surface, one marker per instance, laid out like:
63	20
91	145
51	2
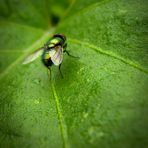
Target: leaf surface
102	99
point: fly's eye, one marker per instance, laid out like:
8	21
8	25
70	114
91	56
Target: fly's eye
62	36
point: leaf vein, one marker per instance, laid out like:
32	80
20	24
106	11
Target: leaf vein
110	54
62	124
18	60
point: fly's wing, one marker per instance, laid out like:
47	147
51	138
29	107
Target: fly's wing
33	56
56	55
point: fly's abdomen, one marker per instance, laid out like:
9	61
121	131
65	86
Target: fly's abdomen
46	59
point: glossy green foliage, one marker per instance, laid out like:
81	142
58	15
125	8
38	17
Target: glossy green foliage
102	99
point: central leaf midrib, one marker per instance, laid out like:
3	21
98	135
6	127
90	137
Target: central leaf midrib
62	124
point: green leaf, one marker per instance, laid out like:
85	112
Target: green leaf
102	99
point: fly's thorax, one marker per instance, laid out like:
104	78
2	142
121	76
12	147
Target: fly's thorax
55	41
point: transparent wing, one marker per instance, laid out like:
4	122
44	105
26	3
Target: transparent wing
56	55
33	56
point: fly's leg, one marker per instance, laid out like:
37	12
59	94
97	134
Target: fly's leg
60	71
70	54
49	73
65	46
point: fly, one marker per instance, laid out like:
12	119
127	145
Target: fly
51	53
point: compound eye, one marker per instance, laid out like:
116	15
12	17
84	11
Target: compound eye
62	36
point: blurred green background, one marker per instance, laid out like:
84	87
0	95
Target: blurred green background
102	101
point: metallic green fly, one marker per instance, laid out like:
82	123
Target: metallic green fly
51	53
